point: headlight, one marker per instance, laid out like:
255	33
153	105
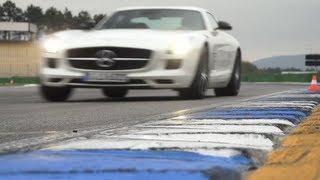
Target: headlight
181	47
52	45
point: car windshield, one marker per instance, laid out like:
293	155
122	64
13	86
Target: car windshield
159	19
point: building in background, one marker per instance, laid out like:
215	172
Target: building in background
17	31
19	49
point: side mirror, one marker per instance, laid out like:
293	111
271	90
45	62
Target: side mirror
87	25
224	26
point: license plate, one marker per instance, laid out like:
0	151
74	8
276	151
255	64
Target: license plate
106	77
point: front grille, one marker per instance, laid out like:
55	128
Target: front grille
119	65
132	82
126	58
120	52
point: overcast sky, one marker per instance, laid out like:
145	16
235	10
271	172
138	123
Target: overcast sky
264	27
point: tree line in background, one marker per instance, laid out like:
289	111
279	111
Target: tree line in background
48	20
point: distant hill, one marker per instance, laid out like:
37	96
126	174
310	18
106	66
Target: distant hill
283	62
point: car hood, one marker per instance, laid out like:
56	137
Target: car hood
147	39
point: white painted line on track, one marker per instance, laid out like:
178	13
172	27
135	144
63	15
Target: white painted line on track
278	83
241	139
297	95
31	85
201	129
276	104
145	144
226	122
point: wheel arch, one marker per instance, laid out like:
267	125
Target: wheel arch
202	46
206	46
239	53
238	58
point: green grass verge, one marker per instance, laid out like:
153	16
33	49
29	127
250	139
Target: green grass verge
265	77
19	81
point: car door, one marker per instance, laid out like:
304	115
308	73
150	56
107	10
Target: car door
219	52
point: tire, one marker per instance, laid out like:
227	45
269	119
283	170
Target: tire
199	86
55	94
234	85
115	92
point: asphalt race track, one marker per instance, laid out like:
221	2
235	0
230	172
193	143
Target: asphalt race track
24	114
151	134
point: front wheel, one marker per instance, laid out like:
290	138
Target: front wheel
55	94
115	92
234	85
199	86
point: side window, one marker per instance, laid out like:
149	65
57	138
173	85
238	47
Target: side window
213	21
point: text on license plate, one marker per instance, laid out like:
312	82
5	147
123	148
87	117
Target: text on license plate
107	77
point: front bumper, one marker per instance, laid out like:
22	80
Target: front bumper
150	79
154	75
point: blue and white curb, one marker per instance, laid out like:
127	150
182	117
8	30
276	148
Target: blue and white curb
214	144
115	164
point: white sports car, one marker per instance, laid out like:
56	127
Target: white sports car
180	48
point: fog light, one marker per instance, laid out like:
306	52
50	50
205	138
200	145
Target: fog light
55	80
164	81
52	63
173	64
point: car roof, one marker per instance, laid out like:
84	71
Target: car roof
163	7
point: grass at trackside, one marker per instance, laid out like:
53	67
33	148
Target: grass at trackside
247	77
19	81
268	77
